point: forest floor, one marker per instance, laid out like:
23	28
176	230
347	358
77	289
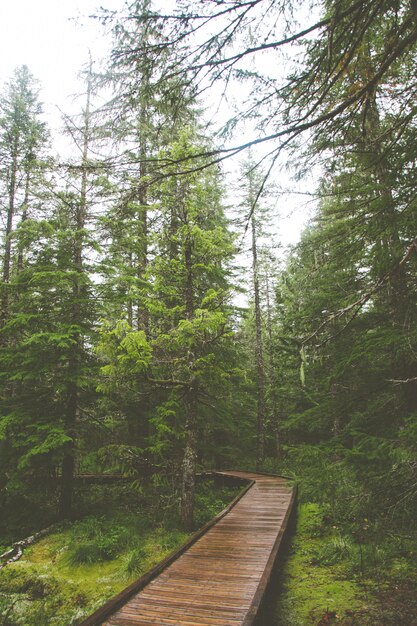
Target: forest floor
329	578
70	572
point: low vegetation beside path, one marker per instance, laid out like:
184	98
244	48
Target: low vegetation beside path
336	575
66	575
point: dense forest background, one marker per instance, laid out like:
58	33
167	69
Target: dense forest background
122	348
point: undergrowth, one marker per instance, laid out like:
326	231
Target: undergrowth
352	561
330	577
66	575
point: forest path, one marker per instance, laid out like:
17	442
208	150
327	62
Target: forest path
221	578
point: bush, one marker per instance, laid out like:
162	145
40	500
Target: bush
209	501
172	539
95	539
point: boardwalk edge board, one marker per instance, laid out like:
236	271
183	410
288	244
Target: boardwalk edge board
109	607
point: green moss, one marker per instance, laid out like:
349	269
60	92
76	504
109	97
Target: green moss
45	570
311	588
68	574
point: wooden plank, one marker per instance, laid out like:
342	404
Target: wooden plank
96	618
219	577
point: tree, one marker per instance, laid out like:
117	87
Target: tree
251	178
22	136
215	43
348	271
145	116
348	60
78	206
186	296
49	330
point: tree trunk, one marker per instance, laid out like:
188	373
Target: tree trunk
23	220
68	461
274	415
259	359
142	312
143	132
4	313
78	293
189	462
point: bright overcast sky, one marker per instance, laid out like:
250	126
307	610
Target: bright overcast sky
52	37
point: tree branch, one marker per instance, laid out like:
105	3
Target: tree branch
360	303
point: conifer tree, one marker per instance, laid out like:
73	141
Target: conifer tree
48	333
78	205
184	357
251	182
22	136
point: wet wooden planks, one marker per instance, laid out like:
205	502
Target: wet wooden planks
220	579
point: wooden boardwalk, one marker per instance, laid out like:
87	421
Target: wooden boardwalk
221	578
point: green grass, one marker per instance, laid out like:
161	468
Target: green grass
66	575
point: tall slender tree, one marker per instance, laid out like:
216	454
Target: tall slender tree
185	354
78	206
22	137
250	204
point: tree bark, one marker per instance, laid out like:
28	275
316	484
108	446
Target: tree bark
68	461
272	374
24	218
189	461
259	358
4	313
142	312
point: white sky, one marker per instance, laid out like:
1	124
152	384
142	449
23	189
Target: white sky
52	37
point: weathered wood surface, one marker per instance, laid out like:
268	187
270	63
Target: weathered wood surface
220	580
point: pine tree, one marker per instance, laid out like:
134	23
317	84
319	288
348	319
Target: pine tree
49	330
78	206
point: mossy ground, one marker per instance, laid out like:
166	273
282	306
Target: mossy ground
66	575
308	591
328	577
